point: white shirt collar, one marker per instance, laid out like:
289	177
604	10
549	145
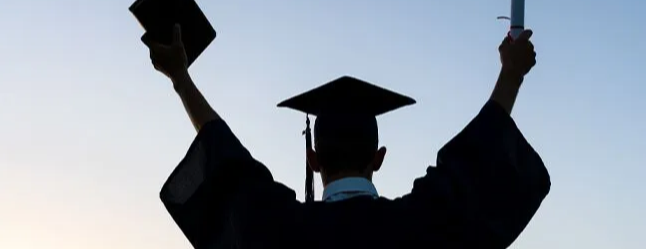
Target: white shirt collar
349	187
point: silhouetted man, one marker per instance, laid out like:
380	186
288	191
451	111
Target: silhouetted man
486	187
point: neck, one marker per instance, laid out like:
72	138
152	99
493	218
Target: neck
333	177
349	187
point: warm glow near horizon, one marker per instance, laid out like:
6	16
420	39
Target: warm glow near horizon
89	131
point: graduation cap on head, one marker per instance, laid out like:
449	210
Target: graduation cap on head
159	16
345	108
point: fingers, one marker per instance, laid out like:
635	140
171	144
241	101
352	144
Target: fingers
153	55
520	43
518	53
177	34
507	39
525	35
146	40
155	50
505	42
154	46
156	66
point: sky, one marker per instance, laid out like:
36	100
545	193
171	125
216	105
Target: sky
89	131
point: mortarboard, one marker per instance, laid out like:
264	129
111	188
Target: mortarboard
159	16
345	107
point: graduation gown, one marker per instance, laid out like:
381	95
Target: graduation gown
487	185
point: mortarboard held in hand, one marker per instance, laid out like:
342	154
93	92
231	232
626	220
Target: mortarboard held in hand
346	110
159	16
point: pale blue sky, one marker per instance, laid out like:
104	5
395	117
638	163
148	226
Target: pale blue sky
89	131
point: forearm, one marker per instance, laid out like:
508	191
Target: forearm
506	89
197	107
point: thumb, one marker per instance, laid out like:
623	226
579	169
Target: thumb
505	42
177	34
525	35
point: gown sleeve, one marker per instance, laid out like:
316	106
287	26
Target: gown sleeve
488	184
217	188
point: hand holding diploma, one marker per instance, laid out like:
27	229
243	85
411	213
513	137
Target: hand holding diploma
517	56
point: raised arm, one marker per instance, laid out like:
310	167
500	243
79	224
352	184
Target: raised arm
489	181
517	57
171	60
494	178
197	107
218	186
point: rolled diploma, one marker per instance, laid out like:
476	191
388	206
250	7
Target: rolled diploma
517	18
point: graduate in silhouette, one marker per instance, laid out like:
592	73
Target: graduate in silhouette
486	187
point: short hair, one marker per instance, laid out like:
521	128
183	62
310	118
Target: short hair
345	142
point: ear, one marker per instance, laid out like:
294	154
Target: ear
379	159
312	161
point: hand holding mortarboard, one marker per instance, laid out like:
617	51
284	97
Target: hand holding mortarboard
170	60
158	17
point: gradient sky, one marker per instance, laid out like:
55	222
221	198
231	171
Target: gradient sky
89	131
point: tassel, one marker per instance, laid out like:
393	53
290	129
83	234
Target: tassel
309	174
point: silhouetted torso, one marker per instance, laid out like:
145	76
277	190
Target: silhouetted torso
486	187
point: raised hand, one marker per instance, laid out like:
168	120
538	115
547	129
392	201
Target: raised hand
170	59
517	56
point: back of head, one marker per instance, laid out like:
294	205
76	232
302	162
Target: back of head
345	142
345	132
